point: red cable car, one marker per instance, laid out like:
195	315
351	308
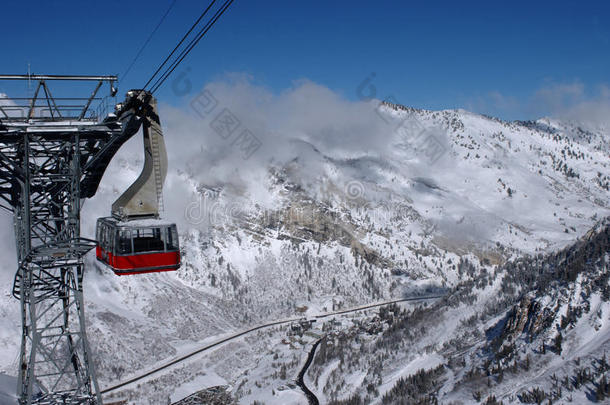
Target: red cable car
135	247
134	240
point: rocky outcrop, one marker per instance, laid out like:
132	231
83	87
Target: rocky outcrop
529	317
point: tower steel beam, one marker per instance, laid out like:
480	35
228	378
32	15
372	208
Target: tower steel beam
47	165
59	77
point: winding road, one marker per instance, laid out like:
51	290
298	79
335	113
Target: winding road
311	397
247	331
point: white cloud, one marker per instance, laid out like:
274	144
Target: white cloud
8	261
284	123
557	96
568	101
288	124
593	112
6	102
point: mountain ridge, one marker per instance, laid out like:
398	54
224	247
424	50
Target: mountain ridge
325	226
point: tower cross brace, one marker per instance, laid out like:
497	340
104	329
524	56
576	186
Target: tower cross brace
53	153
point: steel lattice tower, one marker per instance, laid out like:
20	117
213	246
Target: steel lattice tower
53	153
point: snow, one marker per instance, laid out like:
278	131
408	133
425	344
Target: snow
8	390
144	222
322	380
423	361
196	384
272	235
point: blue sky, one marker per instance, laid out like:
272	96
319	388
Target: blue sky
516	60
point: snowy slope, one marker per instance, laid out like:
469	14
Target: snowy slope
311	222
492	338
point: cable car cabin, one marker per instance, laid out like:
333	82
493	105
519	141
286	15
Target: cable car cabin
136	247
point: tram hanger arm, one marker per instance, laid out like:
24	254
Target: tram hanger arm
130	116
143	197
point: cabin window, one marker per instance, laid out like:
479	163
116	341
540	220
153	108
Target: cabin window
147	240
98	233
105	237
123	242
172	238
109	237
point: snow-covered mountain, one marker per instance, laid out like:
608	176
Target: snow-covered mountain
534	330
373	202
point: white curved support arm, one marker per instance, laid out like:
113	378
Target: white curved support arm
143	197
